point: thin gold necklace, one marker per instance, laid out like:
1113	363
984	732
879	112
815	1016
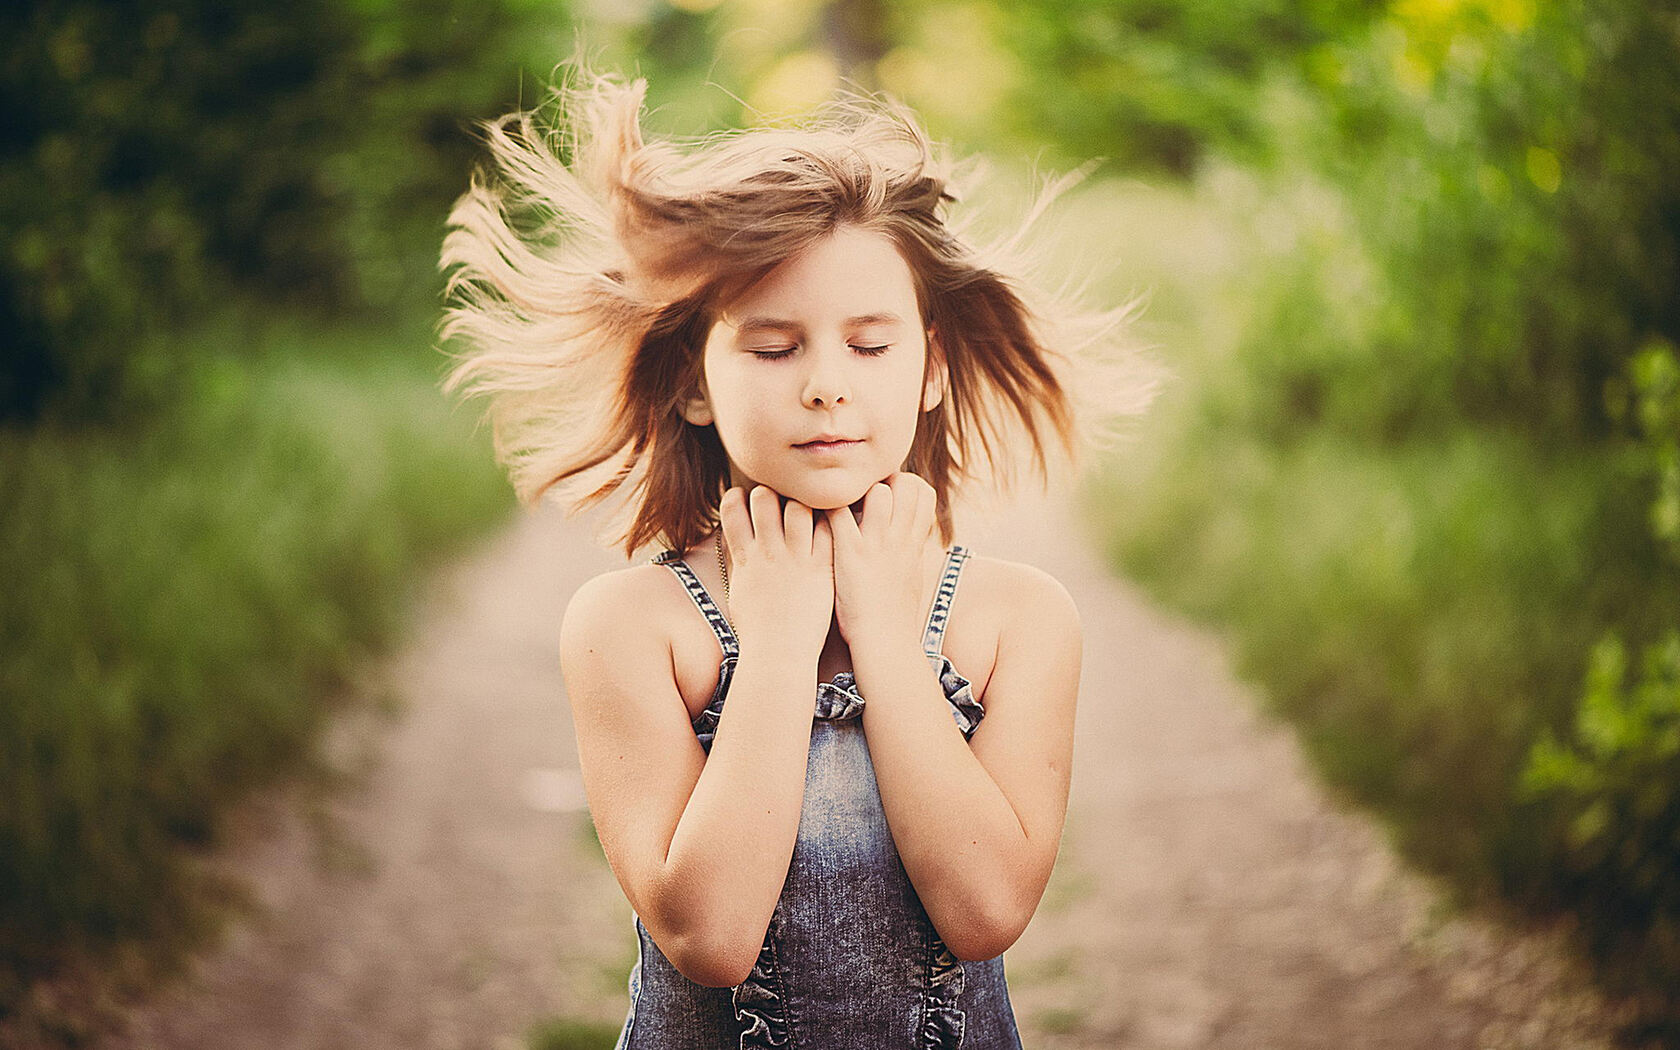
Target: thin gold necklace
723	566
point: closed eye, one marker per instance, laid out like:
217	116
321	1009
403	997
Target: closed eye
775	353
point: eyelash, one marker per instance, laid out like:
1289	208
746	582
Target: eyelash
867	351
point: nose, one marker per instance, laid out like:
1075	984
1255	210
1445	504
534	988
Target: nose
826	384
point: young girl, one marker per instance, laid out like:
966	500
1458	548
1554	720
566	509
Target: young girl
777	351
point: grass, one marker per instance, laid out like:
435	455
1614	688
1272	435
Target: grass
561	1033
1061	1020
1419	604
186	598
1419	613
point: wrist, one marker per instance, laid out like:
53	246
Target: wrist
778	649
887	658
876	633
782	673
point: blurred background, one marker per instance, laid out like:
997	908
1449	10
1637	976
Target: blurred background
1414	264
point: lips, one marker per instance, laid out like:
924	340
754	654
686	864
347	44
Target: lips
822	441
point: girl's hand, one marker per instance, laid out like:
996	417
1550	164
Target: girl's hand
781	591
878	559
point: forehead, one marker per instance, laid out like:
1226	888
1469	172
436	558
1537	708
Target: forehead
848	273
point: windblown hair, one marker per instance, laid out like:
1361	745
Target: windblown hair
586	272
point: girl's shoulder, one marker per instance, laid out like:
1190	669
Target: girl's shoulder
639	622
1008	612
632	606
1014	591
1011	622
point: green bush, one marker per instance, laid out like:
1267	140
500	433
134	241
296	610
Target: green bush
184	598
1612	788
1418	612
160	160
1506	167
1613	791
1156	85
1431	482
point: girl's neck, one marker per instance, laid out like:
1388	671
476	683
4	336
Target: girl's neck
836	656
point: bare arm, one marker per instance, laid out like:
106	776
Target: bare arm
700	845
976	823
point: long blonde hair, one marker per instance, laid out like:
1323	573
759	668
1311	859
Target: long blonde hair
586	270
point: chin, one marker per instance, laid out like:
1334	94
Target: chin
829	502
829	497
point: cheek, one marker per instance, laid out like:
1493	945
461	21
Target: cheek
730	396
734	427
906	403
741	419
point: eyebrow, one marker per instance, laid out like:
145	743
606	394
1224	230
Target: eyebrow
775	324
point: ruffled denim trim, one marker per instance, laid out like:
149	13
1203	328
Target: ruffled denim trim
706	722
840	699
758	1003
960	693
942	1019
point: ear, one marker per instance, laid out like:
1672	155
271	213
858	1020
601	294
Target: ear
697	407
937	377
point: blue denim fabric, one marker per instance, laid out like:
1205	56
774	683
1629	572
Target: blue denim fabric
850	959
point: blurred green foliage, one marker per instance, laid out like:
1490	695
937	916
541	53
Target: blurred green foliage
223	454
1156	84
1426	471
1508	166
197	589
1612	790
161	160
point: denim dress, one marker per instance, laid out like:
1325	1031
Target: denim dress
850	959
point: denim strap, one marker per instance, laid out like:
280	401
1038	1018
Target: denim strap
933	639
702	600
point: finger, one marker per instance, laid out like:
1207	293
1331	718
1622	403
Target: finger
737	524
877	507
927	512
796	526
822	536
843	526
925	501
906	490
766	510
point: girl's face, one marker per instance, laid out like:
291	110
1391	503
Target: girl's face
815	377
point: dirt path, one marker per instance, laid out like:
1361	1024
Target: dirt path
1208	894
